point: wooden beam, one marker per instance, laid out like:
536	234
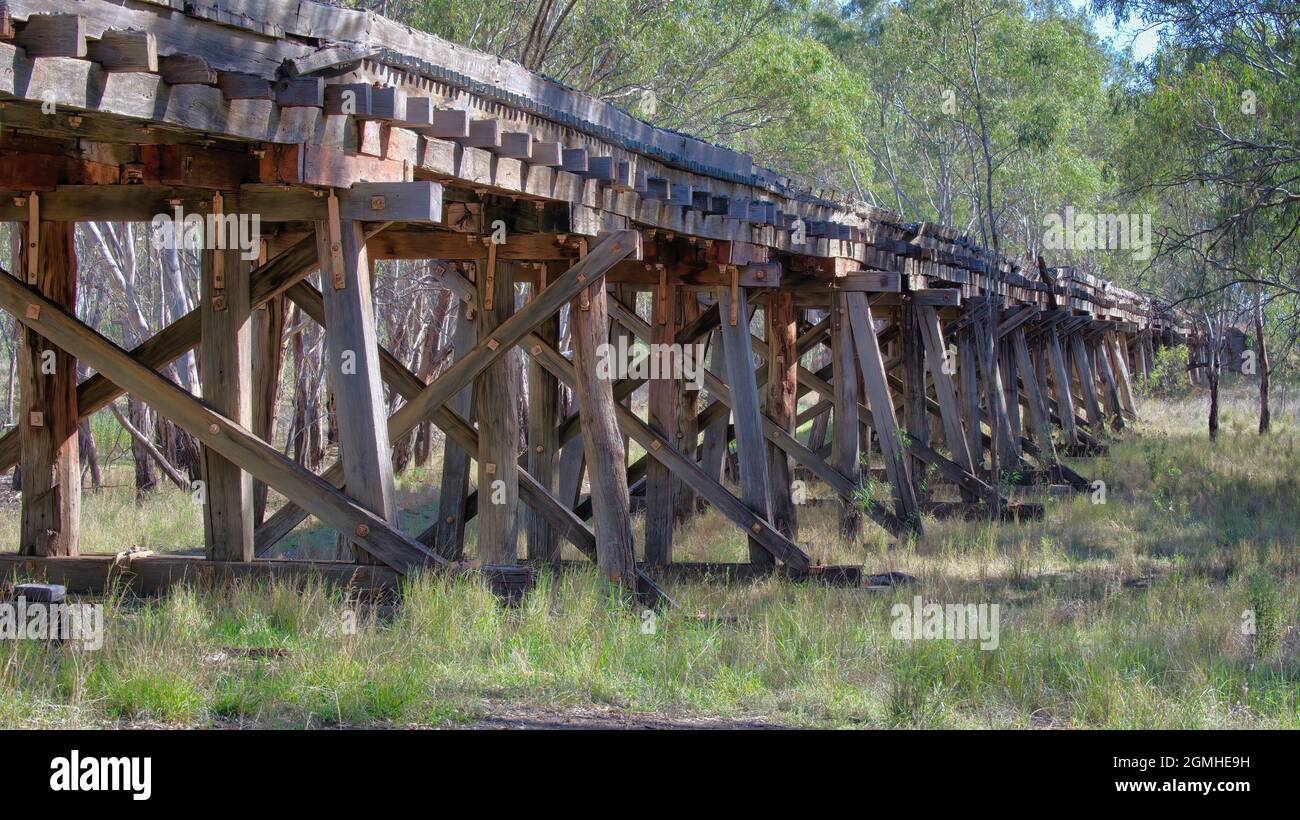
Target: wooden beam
1119	365
120	50
876	387
912	359
941	376
844	441
1039	421
1087	382
745	413
713	450
47	422
268	351
970	396
449	531
226	371
687	399
1060	380
53	35
543	443
601	439
660	504
353	360
1100	357
495	394
781	398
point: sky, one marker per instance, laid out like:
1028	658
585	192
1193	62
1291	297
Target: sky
1134	33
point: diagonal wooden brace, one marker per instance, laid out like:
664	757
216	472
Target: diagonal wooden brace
168	344
458	429
660	448
219	433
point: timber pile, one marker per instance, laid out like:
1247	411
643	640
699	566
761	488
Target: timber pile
352	138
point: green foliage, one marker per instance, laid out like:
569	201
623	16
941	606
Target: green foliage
1168	376
1262	593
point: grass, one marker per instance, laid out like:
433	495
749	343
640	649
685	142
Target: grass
1127	614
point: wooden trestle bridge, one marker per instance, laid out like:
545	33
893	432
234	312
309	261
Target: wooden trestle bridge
352	139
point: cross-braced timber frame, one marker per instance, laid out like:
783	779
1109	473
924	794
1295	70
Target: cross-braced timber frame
920	359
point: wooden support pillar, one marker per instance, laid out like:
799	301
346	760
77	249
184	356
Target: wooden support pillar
986	350
875	384
1061	383
353	351
602	440
51	477
449	533
745	412
821	425
945	393
1114	343
225	369
1039	414
782	387
573	465
1140	366
912	349
845	393
659	501
268	356
970	398
713	450
1087	382
1148	357
687	404
820	419
1007	367
498	423
543	444
1102	361
626	296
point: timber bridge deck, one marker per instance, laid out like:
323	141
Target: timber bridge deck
353	138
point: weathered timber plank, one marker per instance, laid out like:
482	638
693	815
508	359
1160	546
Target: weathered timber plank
448	536
844	440
876	387
660	503
47	424
782	387
601	440
498	423
543	443
745	413
941	367
225	370
353	360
